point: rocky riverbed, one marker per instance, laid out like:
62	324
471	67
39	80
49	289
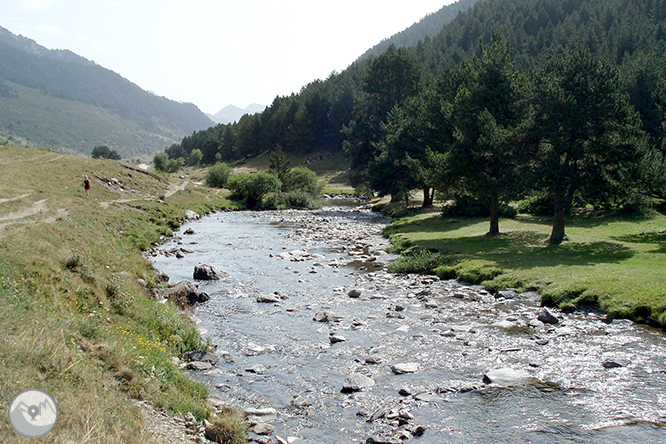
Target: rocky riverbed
321	344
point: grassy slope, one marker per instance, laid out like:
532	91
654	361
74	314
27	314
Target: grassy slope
76	320
617	263
41	120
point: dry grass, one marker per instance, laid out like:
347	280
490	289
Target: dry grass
77	322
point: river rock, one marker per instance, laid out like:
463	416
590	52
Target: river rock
184	294
418	430
354	294
547	317
327	316
161	276
509	377
401	369
189	231
383	440
614	363
257	369
405	391
208	272
357	382
507	325
426	397
200	356
265	412
269	299
263	429
191	214
374	359
334	338
509	293
199	366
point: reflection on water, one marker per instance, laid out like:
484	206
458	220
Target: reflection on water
454	333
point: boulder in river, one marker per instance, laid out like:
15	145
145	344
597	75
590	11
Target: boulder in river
374	359
401	369
509	377
383	440
327	316
208	272
356	382
614	363
334	338
184	294
355	293
201	356
269	299
547	317
199	366
161	276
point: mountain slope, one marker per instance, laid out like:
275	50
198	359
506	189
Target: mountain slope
429	26
64	75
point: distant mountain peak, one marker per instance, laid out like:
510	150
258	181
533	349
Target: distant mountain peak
232	113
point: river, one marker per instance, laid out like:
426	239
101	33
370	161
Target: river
582	380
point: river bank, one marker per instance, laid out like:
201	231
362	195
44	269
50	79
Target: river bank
78	318
313	330
615	263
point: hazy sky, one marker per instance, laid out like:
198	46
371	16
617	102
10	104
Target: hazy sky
215	53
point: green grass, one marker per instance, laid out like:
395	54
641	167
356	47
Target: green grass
77	320
618	263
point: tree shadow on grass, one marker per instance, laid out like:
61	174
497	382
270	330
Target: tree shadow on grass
656	238
433	225
527	249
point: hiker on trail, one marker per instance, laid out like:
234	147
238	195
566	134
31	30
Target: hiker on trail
86	185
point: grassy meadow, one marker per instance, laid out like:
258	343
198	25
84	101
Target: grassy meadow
615	263
77	317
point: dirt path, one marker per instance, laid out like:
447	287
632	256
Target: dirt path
173	188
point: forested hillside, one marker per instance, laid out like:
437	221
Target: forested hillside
429	26
559	100
64	75
629	33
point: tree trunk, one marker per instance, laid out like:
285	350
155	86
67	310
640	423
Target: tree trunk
428	198
558	235
395	197
494	215
569	201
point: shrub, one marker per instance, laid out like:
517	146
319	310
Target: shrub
417	261
228	430
474	274
104	152
302	179
253	187
540	204
218	175
194	158
161	162
299	200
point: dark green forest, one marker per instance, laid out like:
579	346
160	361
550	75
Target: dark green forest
561	100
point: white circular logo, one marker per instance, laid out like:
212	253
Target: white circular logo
33	413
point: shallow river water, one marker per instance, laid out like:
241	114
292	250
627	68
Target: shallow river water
589	381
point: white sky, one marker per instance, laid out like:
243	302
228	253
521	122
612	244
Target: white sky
215	53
